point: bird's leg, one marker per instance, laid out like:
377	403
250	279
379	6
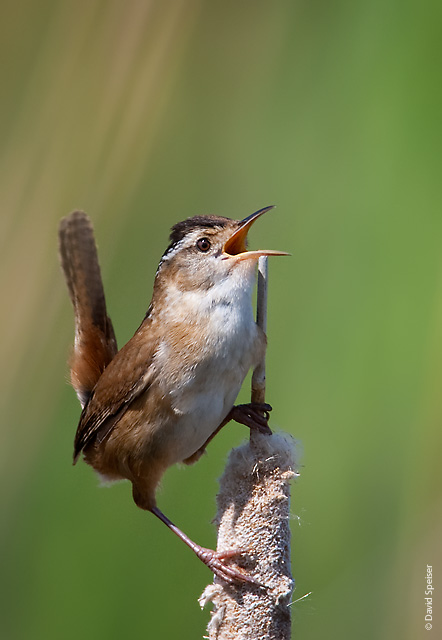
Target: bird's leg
254	415
212	559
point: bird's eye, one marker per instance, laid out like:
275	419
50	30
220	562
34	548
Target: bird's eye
203	244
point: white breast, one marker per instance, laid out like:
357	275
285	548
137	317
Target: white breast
204	388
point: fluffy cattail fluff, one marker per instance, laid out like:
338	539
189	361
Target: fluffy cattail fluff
253	514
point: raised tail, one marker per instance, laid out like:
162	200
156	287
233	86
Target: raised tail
95	344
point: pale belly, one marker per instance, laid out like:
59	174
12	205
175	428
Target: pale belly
206	391
209	345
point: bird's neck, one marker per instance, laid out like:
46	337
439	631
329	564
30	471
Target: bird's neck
224	306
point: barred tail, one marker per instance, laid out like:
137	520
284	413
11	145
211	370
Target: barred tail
95	344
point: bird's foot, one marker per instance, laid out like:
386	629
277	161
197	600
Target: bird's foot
254	415
214	561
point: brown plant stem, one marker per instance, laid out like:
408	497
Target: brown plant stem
253	514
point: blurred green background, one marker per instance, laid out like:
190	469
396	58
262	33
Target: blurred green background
143	113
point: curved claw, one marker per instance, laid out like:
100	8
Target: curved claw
214	561
254	415
231	553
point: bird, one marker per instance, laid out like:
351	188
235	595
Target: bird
167	392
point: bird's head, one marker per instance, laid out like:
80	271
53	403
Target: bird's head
206	251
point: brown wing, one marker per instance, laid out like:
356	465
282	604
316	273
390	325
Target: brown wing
95	343
128	376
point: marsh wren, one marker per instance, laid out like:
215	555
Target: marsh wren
172	387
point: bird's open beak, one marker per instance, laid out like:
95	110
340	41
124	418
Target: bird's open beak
236	245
